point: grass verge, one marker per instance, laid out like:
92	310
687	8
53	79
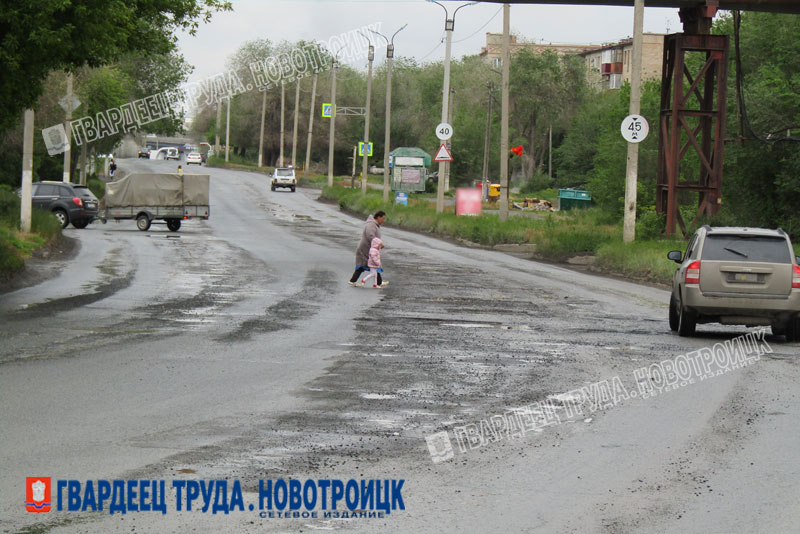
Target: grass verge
15	245
557	237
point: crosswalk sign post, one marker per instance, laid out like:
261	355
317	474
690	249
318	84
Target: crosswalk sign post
362	146
327	110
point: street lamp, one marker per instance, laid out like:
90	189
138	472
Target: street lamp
449	24
334	66
387	136
365	164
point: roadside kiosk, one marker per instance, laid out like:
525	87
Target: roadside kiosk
409	169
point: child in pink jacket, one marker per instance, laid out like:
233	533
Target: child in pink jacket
374	263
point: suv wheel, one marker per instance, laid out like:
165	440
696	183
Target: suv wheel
62	217
673	314
687	322
174	224
80	224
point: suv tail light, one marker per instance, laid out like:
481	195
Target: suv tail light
693	272
77	201
796	276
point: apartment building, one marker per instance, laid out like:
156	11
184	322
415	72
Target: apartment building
608	66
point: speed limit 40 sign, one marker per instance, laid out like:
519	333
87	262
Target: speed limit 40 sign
634	128
444	131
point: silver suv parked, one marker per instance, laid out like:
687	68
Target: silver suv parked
731	275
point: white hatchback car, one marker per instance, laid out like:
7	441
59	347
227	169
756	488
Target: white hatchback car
194	157
283	177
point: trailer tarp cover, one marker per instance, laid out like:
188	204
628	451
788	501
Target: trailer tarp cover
158	190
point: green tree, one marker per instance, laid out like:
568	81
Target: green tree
607	178
45	35
545	91
760	183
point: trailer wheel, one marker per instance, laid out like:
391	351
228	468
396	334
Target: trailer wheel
174	225
143	222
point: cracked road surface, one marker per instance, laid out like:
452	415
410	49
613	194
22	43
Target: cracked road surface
235	350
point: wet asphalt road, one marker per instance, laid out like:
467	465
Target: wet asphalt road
235	350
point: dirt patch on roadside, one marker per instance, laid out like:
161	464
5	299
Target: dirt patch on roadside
42	265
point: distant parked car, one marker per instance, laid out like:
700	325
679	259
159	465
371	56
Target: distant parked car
283	177
144	152
194	157
733	275
70	203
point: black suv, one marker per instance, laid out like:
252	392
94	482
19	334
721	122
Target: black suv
70	203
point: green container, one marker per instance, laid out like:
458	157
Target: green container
573	198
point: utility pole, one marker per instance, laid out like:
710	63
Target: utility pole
283	106
355	159
365	163
228	131
504	116
68	151
449	24
261	135
334	63
310	123
26	205
485	188
219	120
296	117
632	166
388	133
550	154
83	163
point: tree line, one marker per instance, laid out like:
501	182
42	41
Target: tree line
549	98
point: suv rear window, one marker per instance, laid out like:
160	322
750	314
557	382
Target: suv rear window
284	172
84	191
746	248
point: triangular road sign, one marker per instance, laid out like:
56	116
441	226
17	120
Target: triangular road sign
443	154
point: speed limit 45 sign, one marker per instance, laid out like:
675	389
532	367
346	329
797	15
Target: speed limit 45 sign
634	128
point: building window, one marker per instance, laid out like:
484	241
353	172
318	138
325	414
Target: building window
497	62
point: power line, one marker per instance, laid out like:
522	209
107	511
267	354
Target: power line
482	27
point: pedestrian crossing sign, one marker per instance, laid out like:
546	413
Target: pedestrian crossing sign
364	147
327	110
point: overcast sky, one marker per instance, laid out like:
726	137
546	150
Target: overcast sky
320	20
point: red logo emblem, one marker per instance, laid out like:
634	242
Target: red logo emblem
37	494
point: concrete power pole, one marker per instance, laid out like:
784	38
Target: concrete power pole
485	187
365	163
228	131
449	24
68	151
219	120
333	122
310	124
632	166
261	135
283	107
504	116
27	173
296	117
387	148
